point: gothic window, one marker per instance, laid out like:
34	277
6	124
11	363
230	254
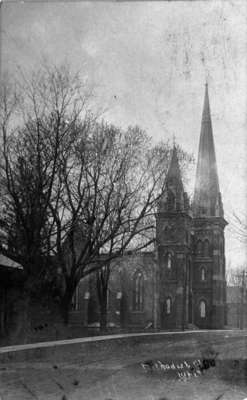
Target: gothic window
168	305
138	289
202	308
206	248
169	261
203	274
199	247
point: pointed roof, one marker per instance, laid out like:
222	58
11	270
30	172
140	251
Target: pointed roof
207	192
174	174
173	199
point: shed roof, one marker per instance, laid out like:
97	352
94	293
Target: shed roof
8	263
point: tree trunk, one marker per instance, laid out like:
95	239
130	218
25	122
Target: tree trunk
20	321
103	313
102	291
65	309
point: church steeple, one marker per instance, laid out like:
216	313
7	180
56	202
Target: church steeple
207	197
173	239
174	175
174	199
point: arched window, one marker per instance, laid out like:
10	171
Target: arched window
138	289
206	248
169	261
168	305
202	308
203	274
199	247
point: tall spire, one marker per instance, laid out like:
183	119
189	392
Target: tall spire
207	198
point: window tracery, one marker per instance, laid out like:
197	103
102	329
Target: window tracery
202	308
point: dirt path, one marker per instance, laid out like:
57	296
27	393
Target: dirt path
189	368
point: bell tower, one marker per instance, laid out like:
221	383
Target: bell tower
209	284
173	225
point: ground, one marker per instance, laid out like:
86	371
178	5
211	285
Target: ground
196	366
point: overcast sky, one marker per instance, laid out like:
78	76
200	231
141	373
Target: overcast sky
149	62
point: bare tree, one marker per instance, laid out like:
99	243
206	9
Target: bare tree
73	188
110	187
136	229
238	226
234	276
38	117
237	278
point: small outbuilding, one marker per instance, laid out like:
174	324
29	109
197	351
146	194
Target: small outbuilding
10	275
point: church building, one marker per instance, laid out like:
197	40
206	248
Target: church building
182	283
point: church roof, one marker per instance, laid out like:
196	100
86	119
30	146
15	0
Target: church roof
207	193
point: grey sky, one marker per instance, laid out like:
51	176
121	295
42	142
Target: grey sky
149	62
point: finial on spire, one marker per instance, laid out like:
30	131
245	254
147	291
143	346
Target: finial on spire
207	78
174	140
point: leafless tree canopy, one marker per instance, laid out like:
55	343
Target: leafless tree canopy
73	186
236	276
238	226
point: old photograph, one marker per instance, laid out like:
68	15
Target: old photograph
123	213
